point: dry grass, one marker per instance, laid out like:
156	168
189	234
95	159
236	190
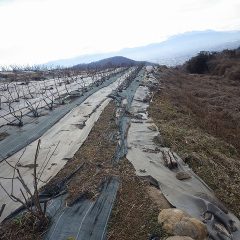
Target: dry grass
24	227
213	99
198	116
134	215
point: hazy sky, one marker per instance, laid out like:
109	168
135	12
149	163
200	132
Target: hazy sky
37	31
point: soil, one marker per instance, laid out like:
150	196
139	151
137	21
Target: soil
198	117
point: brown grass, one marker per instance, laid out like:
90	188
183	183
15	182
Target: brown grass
199	116
24	227
134	215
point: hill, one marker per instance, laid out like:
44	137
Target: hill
117	61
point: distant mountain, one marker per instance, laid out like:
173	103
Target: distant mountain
117	61
175	50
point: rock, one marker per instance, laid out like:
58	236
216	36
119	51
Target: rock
152	128
183	175
158	198
169	217
191	227
179	238
177	222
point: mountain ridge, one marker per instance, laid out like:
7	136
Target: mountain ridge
175	50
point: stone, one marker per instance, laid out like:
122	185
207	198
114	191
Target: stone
191	227
169	217
158	198
179	238
183	175
178	223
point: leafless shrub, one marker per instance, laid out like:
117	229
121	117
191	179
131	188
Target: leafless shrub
48	98
29	199
17	114
33	107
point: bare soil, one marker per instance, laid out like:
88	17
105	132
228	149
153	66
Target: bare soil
199	117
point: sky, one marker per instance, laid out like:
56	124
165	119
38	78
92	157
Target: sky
38	31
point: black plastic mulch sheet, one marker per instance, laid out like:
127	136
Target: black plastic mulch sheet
85	219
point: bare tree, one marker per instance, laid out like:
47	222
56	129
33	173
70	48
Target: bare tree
17	114
48	98
33	107
59	97
29	199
